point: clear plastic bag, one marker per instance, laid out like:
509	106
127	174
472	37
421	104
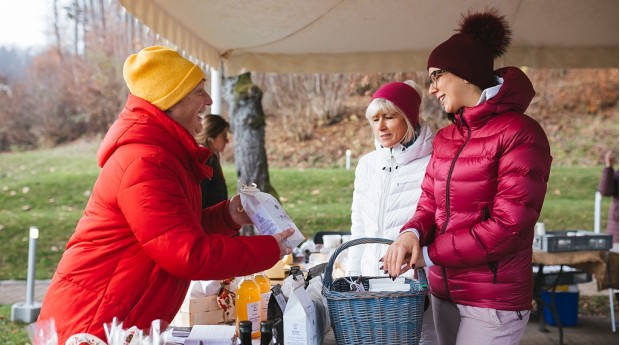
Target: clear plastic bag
42	332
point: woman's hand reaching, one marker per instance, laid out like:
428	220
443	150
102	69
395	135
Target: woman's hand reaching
403	254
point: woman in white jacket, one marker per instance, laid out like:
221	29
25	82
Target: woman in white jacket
387	180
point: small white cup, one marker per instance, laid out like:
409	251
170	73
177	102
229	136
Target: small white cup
332	241
539	229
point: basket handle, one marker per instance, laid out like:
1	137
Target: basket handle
328	279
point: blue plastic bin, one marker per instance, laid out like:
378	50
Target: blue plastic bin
566	304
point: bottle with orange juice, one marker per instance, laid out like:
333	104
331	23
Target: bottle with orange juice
248	304
265	292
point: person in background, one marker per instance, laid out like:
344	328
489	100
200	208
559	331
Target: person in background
608	186
482	194
387	180
214	136
144	234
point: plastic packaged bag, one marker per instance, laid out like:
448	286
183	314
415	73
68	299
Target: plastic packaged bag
267	214
43	332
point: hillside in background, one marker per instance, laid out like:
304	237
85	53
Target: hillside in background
577	108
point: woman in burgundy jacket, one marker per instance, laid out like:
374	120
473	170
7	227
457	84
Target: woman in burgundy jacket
483	192
144	234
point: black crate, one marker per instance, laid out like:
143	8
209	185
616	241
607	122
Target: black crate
571	241
569	275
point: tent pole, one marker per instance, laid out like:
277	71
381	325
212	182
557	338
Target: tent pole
216	91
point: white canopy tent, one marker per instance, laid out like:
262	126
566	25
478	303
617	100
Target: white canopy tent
288	36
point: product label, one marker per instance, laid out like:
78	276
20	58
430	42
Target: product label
277	292
265	303
254	315
265	224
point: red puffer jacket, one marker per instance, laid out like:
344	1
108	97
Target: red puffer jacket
144	236
482	195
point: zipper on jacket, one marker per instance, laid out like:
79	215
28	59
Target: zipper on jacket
448	180
384	192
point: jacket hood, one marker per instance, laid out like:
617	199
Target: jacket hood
515	95
140	122
421	147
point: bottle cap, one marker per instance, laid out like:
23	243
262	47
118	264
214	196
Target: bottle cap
245	326
266	326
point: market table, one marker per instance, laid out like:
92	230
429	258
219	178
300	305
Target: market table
602	264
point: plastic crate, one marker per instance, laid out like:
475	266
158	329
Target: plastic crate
569	275
571	241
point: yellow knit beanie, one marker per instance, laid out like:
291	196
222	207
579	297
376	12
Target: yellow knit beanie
161	76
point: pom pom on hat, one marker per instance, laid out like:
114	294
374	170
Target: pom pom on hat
469	54
405	97
161	76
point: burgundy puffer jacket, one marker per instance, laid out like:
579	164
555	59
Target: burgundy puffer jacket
144	235
482	195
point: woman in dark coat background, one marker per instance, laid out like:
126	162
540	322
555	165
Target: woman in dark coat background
608	186
214	136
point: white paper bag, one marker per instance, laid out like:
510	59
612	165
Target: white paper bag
300	326
268	215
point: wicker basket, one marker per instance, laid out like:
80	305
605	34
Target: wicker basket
377	318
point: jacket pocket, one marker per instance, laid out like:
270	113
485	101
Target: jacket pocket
493	267
486	213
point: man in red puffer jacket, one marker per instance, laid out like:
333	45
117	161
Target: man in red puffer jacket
144	234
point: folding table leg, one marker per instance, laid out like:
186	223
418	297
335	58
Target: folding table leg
612	310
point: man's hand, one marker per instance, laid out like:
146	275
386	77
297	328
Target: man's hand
237	212
281	238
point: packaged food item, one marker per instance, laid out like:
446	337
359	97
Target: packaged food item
267	214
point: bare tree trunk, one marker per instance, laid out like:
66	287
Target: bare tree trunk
77	14
245	112
57	29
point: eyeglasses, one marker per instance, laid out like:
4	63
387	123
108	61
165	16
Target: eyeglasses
432	80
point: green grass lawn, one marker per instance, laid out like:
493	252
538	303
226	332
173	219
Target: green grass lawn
11	333
49	189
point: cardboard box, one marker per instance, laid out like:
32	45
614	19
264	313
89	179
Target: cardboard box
213	317
203	310
198	304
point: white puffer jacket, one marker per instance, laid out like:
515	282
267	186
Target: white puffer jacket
387	189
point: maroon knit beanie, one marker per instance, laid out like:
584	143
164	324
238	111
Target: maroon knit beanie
405	97
469	54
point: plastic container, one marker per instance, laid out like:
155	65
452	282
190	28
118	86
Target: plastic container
332	241
566	304
571	241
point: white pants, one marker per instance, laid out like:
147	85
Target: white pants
458	324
